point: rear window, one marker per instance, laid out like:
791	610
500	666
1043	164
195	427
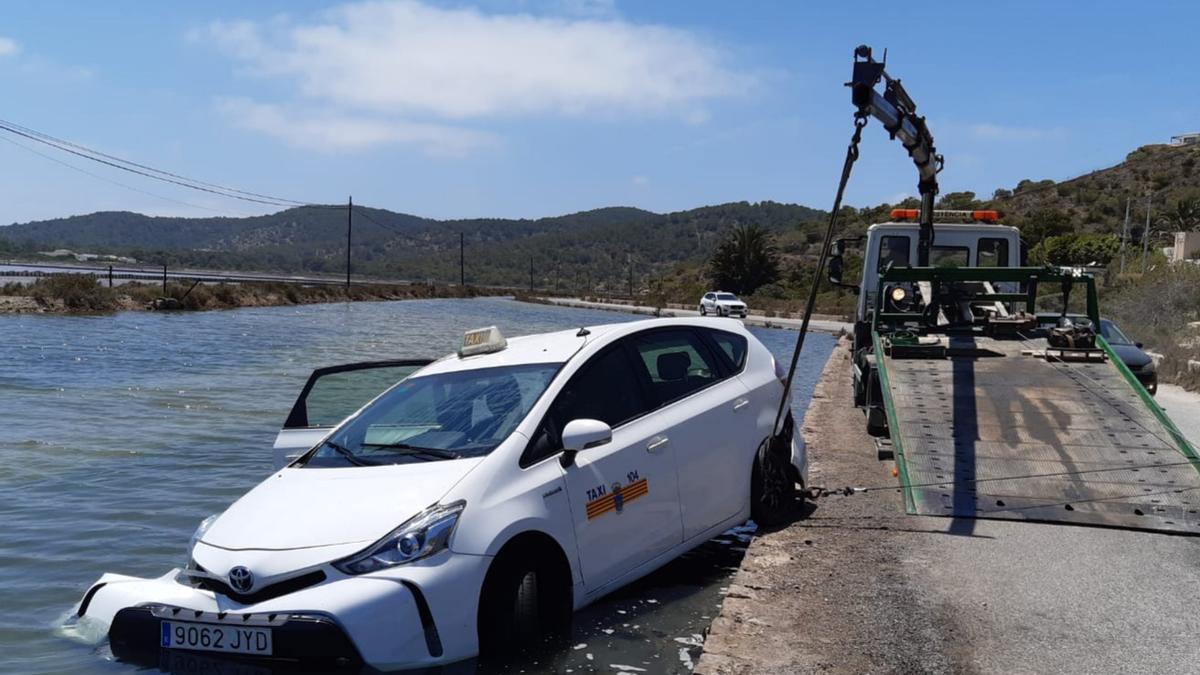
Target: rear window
893	250
950	256
733	346
992	253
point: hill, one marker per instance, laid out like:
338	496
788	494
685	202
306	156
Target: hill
568	250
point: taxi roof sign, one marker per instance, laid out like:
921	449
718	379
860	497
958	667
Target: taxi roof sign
482	341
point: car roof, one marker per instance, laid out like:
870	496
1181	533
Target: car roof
560	346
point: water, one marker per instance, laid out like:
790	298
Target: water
123	431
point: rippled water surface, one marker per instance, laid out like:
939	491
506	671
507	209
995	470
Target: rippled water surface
123	431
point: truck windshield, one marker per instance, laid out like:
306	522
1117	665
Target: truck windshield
434	417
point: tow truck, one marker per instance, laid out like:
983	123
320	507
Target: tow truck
990	408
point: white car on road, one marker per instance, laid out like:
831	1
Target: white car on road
722	304
476	503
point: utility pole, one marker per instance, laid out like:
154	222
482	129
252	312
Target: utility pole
629	256
1125	233
462	266
530	274
164	280
349	227
1146	233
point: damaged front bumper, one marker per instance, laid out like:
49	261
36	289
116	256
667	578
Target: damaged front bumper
392	621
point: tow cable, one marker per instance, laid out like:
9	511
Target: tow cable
778	447
896	110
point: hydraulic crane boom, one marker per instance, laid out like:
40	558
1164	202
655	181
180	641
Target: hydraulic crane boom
898	114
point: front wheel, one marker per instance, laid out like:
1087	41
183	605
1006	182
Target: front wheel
512	612
772	490
703	312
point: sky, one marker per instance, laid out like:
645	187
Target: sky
531	108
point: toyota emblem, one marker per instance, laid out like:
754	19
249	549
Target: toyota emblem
241	579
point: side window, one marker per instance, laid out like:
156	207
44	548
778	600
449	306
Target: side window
607	388
678	364
893	249
734	346
992	253
332	394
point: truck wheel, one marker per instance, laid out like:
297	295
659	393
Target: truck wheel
772	490
860	392
876	422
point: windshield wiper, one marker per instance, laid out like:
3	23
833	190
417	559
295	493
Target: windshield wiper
347	453
415	449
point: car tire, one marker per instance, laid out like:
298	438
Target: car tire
511	609
703	312
772	488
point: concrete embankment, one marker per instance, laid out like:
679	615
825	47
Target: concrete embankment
859	586
824	323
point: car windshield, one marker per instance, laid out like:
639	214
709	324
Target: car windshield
466	413
1113	334
726	296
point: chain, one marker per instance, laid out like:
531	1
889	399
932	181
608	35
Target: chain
860	121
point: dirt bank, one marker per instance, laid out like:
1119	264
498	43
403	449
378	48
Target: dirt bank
74	293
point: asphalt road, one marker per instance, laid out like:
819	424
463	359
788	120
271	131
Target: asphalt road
822	325
859	586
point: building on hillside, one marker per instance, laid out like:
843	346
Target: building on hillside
1185	139
1187	244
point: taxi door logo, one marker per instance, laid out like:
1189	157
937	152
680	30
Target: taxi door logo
617	498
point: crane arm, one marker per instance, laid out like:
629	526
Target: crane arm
898	114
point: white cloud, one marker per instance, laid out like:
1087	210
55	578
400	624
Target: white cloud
8	46
1005	133
641	181
408	58
334	131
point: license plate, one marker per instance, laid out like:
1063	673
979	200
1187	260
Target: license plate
213	638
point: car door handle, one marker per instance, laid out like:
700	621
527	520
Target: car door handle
657	444
740	403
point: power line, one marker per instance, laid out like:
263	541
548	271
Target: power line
116	182
149	172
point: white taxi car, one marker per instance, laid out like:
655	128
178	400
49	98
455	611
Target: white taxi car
473	505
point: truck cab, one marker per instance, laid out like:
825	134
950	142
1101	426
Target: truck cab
963	239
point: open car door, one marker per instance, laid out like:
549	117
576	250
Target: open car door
331	395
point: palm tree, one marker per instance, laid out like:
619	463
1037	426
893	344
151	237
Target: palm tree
745	260
1185	215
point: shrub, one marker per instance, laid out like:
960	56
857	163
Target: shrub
81	292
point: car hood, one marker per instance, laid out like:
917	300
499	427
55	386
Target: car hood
729	302
1131	355
310	507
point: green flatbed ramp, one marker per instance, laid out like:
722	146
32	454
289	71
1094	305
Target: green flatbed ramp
993	431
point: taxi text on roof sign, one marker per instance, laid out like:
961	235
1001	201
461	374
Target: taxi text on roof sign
482	341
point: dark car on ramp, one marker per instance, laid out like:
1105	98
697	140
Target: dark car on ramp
1138	361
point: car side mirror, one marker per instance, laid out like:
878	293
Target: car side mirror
835	268
1138	345
583	434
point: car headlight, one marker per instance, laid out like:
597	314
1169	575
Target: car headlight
420	537
200	530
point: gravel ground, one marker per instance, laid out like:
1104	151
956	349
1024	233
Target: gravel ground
858	586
